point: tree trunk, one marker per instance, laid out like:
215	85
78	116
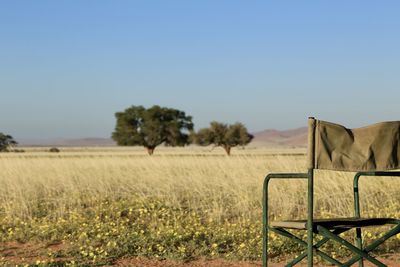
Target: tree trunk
150	150
228	150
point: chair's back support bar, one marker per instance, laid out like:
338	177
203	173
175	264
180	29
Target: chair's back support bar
311	143
310	197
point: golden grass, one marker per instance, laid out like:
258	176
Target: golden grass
106	203
195	178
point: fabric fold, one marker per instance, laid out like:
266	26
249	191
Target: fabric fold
372	148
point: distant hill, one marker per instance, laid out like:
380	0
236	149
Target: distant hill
287	138
90	141
268	138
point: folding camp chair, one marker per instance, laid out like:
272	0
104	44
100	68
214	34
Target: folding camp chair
369	151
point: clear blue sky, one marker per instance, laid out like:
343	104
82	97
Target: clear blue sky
67	66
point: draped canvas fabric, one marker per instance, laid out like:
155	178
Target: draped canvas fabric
372	148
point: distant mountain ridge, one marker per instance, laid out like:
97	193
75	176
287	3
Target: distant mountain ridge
90	141
286	138
268	138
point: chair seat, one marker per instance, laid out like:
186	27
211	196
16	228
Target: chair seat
335	223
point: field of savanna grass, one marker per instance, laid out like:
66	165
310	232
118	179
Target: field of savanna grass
97	206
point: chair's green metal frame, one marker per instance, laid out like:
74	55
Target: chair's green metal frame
361	253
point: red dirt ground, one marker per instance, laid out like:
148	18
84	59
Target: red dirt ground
22	253
393	261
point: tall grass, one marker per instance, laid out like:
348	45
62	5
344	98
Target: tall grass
229	189
212	181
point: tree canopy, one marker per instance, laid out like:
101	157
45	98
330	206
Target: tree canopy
152	127
6	141
224	135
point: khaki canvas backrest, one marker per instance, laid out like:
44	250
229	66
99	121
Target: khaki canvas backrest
372	148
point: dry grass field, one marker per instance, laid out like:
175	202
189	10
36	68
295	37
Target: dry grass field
97	206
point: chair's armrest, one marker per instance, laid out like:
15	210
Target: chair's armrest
285	176
357	212
277	176
265	203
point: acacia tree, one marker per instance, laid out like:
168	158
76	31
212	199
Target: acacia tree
226	136
152	127
6	141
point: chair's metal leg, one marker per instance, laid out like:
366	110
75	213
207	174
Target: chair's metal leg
375	244
325	232
310	215
357	214
316	246
265	224
359	245
296	260
289	235
265	246
320	253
